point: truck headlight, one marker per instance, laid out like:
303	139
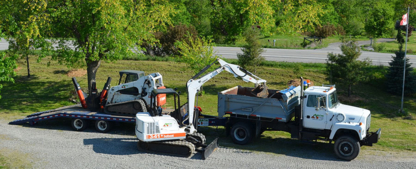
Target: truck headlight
340	117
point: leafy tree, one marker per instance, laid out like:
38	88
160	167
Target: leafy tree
345	69
7	64
196	52
230	17
251	56
201	12
394	76
379	21
104	30
23	22
298	16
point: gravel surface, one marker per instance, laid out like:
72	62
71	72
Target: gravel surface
57	146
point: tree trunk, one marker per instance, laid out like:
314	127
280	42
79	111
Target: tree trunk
92	68
28	68
349	90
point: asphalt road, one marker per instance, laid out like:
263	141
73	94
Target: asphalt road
312	55
297	55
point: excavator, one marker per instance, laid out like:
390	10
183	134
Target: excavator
176	132
131	95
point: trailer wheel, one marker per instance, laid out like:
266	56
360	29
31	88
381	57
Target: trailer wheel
347	148
103	126
242	133
79	124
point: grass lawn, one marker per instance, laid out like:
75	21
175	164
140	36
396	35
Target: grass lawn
287	41
393	46
51	87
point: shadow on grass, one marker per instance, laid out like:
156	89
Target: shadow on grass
30	95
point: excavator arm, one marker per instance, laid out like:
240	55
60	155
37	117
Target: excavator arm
194	84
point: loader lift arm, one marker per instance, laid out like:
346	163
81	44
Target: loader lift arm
194	84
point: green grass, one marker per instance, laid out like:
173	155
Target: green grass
50	88
393	46
287	42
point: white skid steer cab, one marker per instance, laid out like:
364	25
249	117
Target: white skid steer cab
131	95
175	132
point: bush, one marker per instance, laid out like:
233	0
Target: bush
167	40
394	76
328	30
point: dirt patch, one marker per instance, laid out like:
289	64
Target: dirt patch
296	82
17	69
77	73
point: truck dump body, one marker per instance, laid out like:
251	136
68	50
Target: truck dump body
280	104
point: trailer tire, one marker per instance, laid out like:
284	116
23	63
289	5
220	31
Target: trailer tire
79	124
347	148
103	126
242	133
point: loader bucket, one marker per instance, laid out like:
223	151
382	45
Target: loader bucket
210	149
261	91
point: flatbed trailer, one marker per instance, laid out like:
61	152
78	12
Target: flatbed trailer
103	122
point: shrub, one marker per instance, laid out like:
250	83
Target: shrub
328	30
167	40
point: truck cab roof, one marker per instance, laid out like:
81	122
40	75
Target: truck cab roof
319	90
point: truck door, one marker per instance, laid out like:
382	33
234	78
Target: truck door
314	117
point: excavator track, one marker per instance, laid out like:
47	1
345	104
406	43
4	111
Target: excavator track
177	147
196	138
128	108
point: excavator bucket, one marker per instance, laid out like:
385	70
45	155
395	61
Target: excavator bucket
261	91
210	149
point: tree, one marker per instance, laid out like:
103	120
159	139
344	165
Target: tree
251	56
380	19
394	76
104	30
298	16
7	64
345	69
23	22
196	52
230	17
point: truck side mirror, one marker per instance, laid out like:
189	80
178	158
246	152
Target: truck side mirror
318	106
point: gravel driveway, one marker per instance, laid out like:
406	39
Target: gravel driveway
57	146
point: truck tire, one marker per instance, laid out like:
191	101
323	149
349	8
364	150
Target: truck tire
79	124
347	148
242	133
103	126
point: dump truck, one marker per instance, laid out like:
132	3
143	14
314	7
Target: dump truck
307	114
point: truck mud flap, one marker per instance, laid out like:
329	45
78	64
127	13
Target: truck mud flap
210	149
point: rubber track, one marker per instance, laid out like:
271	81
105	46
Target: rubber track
199	136
132	111
178	147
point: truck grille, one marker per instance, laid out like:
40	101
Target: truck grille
368	123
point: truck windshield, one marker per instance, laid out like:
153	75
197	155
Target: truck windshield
333	100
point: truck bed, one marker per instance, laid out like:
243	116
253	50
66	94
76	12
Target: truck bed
280	104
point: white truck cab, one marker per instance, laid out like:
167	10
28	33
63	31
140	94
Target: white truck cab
347	125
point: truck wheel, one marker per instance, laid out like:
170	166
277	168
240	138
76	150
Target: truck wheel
79	124
103	126
242	133
347	148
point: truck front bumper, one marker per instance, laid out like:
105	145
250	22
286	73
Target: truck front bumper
371	138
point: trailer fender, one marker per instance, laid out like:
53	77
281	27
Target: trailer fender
354	127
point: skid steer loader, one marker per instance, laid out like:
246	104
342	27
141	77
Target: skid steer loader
131	95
